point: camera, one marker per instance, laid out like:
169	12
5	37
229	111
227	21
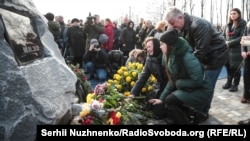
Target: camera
90	19
96	45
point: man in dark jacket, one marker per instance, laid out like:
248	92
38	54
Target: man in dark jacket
208	44
76	41
127	38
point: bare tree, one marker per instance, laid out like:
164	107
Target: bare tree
247	9
211	11
184	4
221	14
228	5
174	3
243	8
202	7
191	6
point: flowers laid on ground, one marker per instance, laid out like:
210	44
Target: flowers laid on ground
106	106
110	104
124	79
82	81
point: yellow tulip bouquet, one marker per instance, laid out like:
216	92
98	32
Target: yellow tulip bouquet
124	79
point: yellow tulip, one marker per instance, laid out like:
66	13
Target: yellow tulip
110	81
132	83
120	71
89	97
127	93
118	86
124	68
128	79
140	66
134	74
153	79
150	88
125	73
108	84
115	82
118	77
114	77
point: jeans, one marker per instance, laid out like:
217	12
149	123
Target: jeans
246	78
99	72
213	76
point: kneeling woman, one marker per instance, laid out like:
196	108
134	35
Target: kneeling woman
187	85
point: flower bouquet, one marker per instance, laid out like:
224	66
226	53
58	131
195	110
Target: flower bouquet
110	104
124	79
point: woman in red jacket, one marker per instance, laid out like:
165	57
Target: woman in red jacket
109	31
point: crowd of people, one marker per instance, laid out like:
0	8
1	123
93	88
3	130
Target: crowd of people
184	52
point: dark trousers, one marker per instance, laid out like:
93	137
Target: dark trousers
172	100
246	78
233	75
174	110
170	108
77	60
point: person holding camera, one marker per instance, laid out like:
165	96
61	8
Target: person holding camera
96	61
92	28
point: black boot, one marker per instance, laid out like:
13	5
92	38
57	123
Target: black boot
194	115
234	88
227	86
229	82
176	116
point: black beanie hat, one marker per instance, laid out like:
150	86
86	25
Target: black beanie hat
169	37
50	16
75	20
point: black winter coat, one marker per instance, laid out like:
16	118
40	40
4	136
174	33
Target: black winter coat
208	44
76	41
153	66
100	58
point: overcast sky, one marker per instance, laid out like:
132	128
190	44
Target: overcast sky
113	9
80	8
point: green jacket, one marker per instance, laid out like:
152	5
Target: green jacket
55	29
190	85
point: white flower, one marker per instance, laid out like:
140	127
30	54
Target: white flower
96	105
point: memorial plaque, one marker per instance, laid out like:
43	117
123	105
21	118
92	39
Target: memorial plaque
23	37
